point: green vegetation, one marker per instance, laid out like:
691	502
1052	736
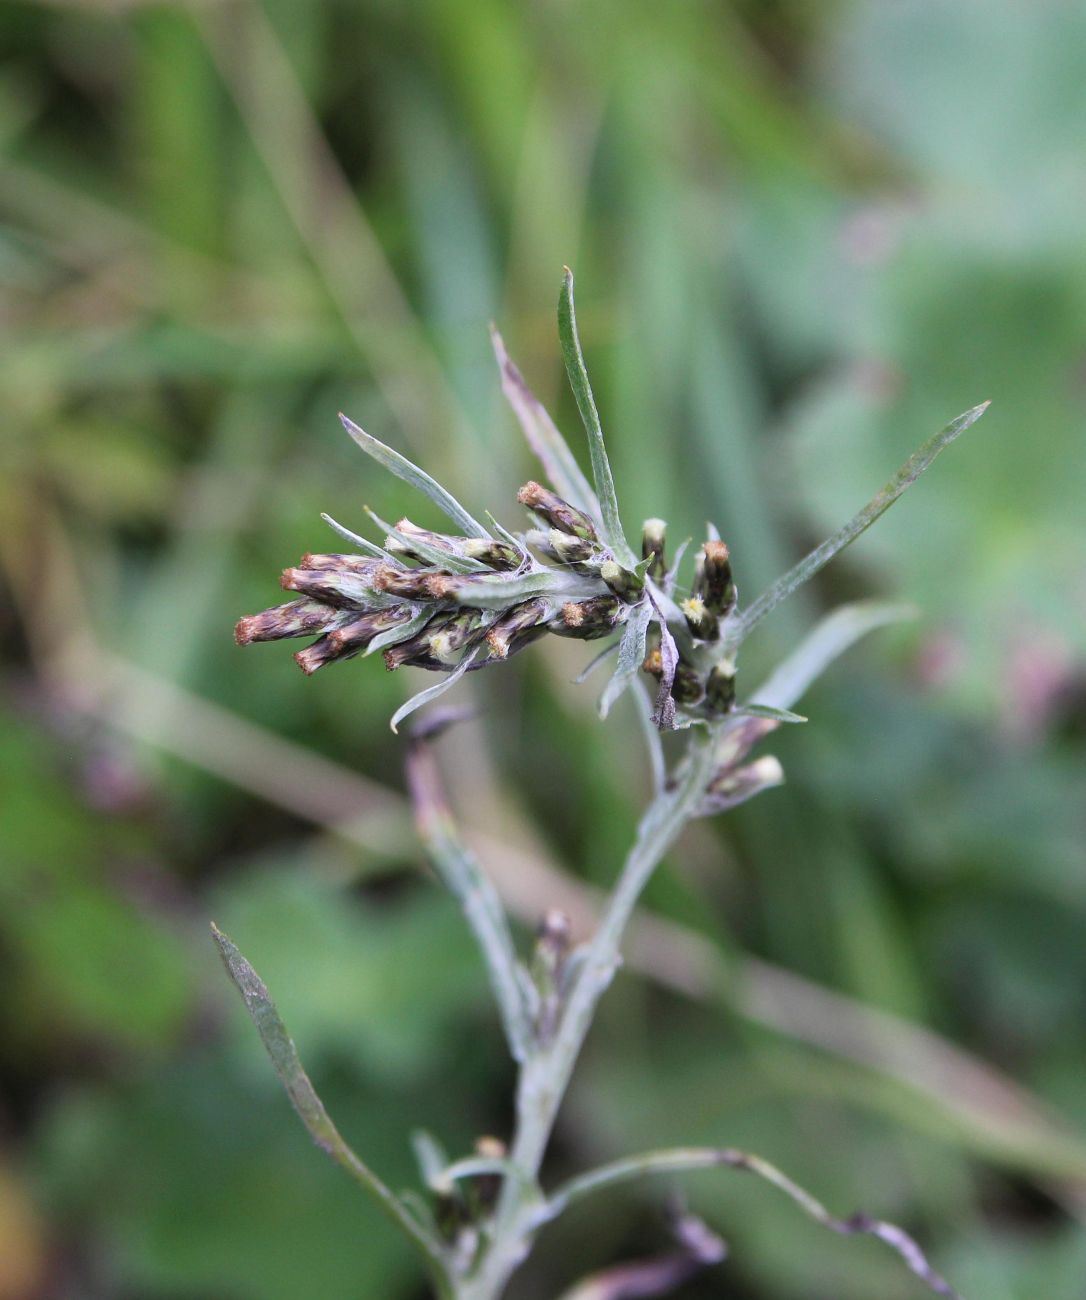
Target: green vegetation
804	236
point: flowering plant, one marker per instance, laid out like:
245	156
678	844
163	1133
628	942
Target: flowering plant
459	601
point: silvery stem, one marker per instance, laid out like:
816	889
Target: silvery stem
545	1076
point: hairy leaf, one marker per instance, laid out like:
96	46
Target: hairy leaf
418	478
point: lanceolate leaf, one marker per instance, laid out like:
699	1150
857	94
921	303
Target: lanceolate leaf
356	540
432	692
830	638
586	404
284	1057
418	478
768	711
500	593
427	551
878	505
631	655
543	436
401	632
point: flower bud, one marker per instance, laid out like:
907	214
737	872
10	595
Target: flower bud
363	565
626	585
513	623
548	966
720	687
298	618
438	645
488	1186
738	783
558	513
411	584
494	554
705	626
714	580
333	586
589	619
408	530
686	688
564	547
448	636
350	639
653	533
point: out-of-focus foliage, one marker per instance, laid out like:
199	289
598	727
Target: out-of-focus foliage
805	236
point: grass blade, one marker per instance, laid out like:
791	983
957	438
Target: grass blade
284	1057
905	477
586	404
418	478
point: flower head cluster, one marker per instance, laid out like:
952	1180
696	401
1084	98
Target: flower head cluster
470	598
438	601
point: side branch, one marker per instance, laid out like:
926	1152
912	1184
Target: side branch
683	1159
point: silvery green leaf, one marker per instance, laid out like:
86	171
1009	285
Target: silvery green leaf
507	536
668	584
663	712
755	710
401	632
586	404
465	879
498	593
430	1155
310	1108
432	692
595	662
829	639
445	559
360	542
631	655
905	477
543	437
418	478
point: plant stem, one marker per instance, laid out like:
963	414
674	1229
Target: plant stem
545	1076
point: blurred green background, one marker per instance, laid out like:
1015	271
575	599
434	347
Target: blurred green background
806	235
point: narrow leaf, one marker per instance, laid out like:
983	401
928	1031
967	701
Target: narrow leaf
595	662
498	593
905	477
473	1167
360	542
432	692
754	710
430	1155
663	713
543	436
465	879
688	1158
410	473
401	632
310	1108
631	655
586	404
829	639
436	555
